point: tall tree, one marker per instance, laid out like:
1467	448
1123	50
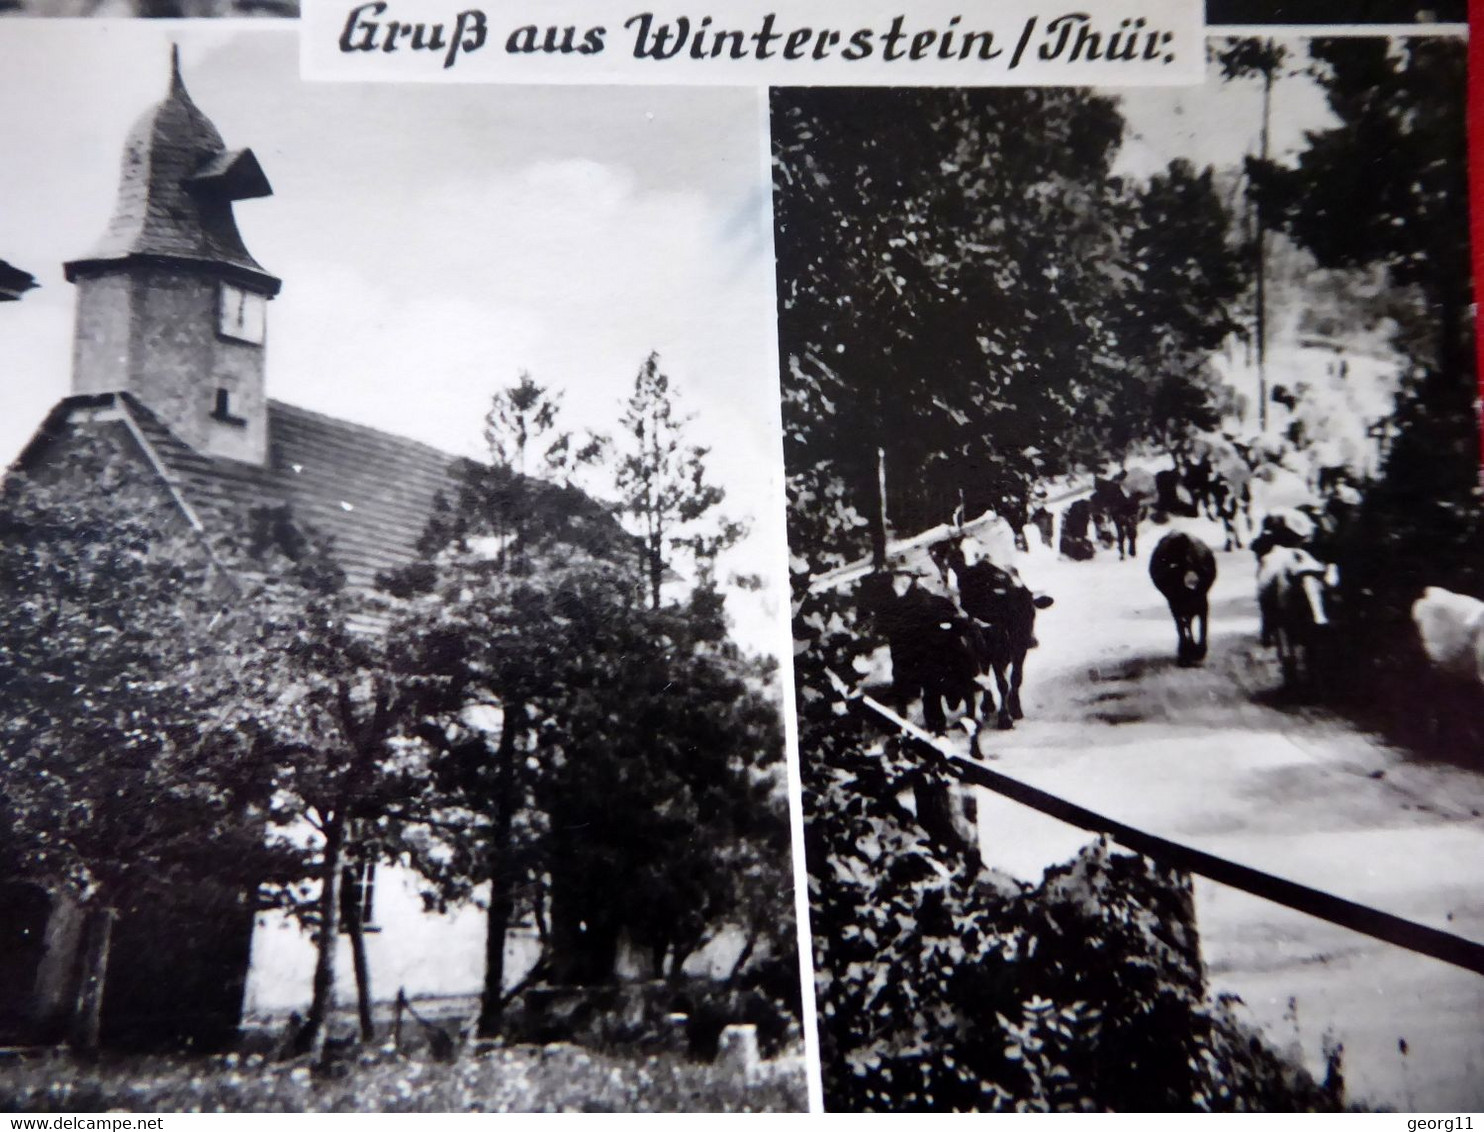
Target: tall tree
612	759
942	283
664	779
1180	273
485	633
662	481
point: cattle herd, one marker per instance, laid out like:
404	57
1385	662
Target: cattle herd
950	629
944	650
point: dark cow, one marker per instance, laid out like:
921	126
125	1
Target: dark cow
1172	496
1075	541
1232	499
935	653
1122	511
1292	587
1044	523
1005	611
1184	569
1014	507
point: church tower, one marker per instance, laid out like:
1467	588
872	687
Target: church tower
170	306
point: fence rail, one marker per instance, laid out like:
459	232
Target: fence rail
1373	922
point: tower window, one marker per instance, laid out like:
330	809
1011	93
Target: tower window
241	315
223	410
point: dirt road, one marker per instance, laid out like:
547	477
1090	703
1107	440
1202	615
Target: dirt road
1211	757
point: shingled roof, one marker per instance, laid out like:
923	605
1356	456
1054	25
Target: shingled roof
14	282
175	195
370	492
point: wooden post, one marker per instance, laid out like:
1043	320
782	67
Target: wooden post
88	1019
356	929
878	524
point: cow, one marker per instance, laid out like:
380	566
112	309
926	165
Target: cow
1172	496
1290	528
1229	494
1451	629
1200	480
935	652
1013	506
1139	485
1044	523
1004	611
1123	512
1183	569
1075	541
1292	588
1234	505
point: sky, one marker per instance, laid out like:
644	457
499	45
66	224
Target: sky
1217	123
433	242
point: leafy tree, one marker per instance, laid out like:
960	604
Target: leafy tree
1401	113
614	760
645	756
918	310
664	784
967	308
330	712
1179	275
662	482
118	632
489	641
492	645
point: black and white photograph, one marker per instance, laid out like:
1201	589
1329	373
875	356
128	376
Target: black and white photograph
1137	566
392	590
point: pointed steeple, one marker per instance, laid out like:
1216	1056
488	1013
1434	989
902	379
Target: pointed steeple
175	195
171	307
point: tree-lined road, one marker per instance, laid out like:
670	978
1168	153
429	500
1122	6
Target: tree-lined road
1212	757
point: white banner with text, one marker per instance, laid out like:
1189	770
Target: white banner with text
757	43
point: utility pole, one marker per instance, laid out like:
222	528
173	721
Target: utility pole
1262	239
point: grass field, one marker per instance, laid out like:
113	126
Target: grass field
513	1079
